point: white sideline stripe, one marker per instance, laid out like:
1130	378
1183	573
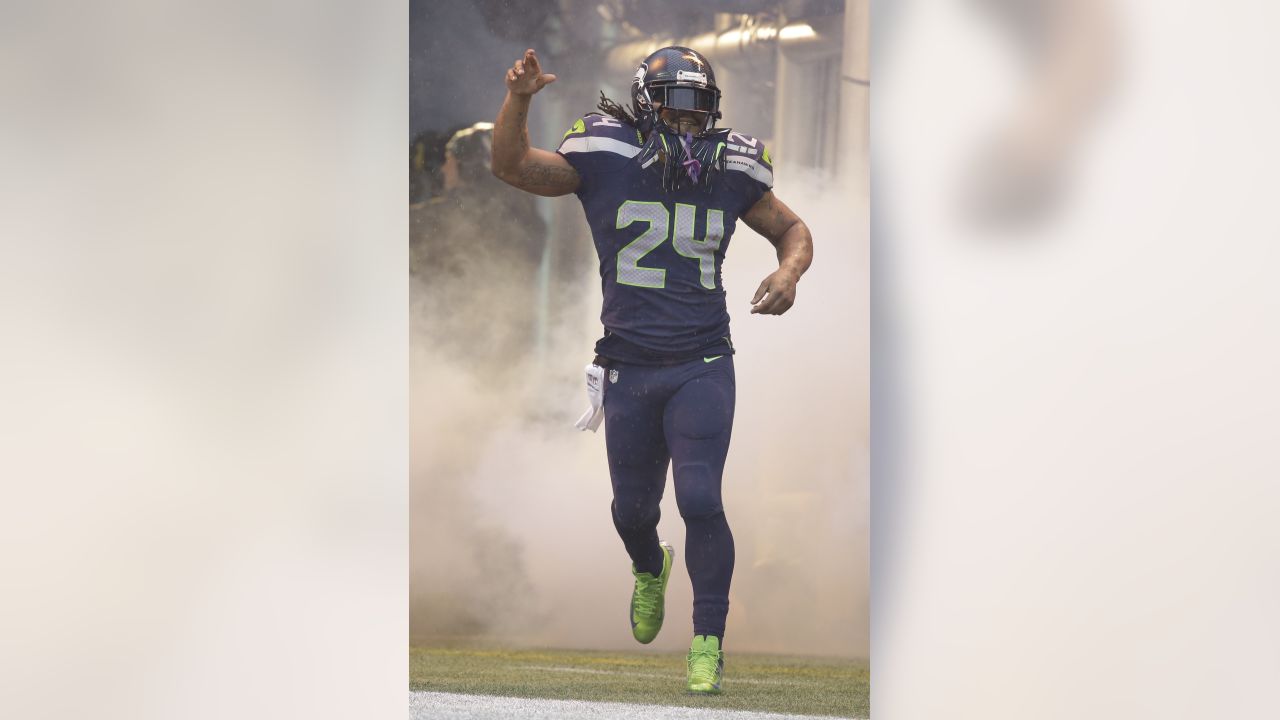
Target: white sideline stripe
456	706
599	144
757	171
673	677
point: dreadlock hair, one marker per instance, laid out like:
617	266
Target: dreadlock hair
672	154
615	111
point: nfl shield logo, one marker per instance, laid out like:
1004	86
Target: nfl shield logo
613	376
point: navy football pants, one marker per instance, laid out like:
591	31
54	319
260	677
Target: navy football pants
680	415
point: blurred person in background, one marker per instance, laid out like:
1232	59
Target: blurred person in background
475	250
662	190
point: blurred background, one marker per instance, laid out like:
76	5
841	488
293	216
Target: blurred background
1074	350
511	538
206	354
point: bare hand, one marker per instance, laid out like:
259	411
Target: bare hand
781	289
525	76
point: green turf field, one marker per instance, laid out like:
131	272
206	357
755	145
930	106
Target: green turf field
768	683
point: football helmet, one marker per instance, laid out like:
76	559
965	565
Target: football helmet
678	78
472	147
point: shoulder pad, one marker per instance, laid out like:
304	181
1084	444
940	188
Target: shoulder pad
748	155
601	133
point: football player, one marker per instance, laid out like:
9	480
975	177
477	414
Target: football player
663	190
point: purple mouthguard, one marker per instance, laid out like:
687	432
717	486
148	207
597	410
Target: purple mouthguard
691	166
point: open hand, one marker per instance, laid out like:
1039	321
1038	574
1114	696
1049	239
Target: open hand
526	77
780	287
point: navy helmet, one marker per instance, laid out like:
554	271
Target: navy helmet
678	78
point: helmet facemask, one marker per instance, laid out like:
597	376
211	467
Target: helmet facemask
679	105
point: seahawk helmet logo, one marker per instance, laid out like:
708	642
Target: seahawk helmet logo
640	93
613	375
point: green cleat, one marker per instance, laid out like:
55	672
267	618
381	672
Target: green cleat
648	598
706	665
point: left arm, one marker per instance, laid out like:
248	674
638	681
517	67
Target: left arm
788	233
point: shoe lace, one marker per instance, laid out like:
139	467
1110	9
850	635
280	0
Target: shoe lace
702	665
646	596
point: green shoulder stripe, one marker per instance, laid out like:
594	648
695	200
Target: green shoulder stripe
578	127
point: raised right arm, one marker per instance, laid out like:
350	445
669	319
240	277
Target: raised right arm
514	162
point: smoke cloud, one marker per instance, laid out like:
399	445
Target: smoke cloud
512	541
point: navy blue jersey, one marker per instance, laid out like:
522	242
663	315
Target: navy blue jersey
661	251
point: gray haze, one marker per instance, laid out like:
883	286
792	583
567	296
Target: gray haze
512	541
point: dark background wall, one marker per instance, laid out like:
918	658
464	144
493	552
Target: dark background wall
455	66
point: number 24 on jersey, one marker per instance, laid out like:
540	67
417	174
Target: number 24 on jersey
660	221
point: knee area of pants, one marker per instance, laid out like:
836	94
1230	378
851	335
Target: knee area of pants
628	514
696	503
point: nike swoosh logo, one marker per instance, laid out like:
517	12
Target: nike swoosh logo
711	359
